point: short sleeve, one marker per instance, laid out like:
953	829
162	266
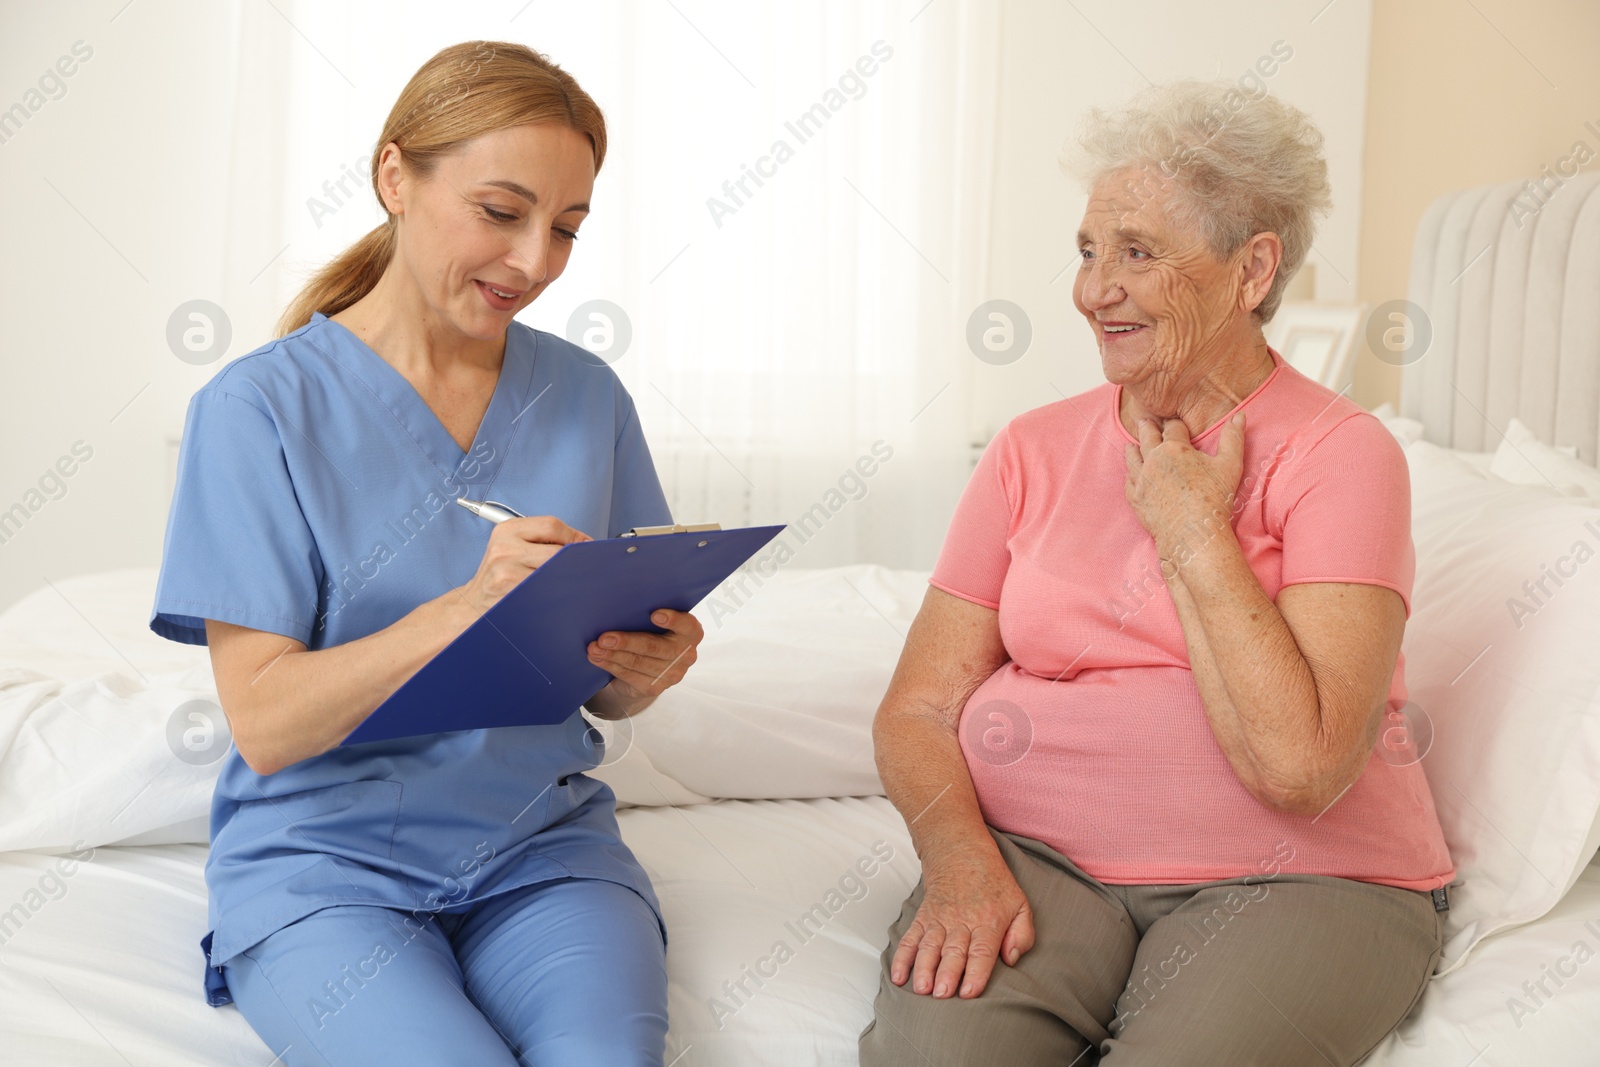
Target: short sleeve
238	548
1347	514
636	495
973	562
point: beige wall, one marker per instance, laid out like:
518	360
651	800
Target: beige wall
1463	94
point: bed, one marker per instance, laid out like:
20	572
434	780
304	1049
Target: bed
749	792
107	974
103	967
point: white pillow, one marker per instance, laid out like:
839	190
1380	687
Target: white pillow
635	780
1525	460
87	625
1409	432
1508	676
1405	430
87	696
781	700
1440	469
780	703
108	760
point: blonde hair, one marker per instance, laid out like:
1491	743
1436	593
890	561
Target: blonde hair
1243	163
463	92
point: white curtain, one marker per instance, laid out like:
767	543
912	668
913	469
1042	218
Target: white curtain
792	217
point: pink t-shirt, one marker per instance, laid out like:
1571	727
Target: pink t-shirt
1093	738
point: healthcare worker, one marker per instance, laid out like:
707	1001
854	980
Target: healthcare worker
458	897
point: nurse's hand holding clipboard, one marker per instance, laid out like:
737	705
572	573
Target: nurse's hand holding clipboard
642	665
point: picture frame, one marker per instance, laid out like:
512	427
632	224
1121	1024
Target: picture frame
1318	340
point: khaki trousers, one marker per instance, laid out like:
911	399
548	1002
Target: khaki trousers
1279	970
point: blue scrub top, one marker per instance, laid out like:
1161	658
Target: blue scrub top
315	500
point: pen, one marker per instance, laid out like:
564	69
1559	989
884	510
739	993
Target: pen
489	509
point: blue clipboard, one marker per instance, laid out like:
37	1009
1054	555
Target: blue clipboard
525	661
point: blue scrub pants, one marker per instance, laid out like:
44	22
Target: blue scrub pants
558	973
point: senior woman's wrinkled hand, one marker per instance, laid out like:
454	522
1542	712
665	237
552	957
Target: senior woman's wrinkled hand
972	913
1182	496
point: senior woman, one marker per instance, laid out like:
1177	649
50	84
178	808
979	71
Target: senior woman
463	896
1133	727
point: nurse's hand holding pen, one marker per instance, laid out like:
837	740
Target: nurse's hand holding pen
518	546
642	665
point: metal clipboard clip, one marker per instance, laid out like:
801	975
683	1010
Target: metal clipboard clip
650	531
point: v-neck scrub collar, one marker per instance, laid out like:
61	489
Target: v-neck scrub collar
412	412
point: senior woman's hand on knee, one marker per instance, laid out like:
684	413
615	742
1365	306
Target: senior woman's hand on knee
972	910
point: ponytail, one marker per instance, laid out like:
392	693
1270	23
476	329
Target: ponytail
342	282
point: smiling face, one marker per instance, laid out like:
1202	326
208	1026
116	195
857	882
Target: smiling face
1162	307
501	213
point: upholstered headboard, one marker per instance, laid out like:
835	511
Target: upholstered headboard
1509	279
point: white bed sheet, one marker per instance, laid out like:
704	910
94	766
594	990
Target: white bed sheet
108	971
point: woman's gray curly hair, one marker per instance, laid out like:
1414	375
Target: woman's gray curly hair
1243	164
